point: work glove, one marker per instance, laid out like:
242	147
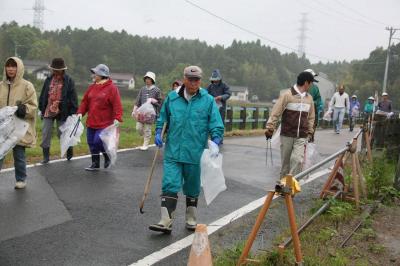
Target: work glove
79	116
158	138
21	111
213	146
268	133
39	113
310	138
116	123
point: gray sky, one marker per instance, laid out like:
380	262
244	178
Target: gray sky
337	29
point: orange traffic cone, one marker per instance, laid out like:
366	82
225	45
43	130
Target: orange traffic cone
200	254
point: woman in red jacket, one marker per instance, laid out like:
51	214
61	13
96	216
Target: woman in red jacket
102	103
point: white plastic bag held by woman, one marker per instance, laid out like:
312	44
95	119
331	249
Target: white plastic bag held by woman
212	176
12	129
146	113
71	132
110	138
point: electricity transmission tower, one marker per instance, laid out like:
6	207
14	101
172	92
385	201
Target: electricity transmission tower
302	37
391	33
38	14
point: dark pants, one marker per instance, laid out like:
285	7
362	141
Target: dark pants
94	141
222	111
19	163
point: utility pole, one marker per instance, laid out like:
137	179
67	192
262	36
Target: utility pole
302	37
391	33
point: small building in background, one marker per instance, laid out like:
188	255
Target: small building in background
123	80
40	69
239	93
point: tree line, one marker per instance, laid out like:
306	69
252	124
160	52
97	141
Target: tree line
264	70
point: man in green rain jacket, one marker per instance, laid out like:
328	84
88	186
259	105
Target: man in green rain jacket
191	115
318	105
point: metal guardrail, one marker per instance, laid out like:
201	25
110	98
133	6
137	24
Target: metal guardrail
242	117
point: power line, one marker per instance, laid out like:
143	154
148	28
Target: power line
360	14
252	32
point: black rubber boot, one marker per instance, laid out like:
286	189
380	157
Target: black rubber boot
107	161
46	155
191	213
168	206
70	153
95	163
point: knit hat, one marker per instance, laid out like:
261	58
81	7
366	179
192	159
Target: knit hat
215	75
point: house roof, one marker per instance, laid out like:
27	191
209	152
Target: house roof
35	65
238	88
121	76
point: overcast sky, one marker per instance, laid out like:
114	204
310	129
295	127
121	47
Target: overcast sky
337	29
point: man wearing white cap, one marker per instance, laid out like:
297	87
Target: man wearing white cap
385	105
340	105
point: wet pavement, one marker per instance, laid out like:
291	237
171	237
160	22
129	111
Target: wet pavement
68	216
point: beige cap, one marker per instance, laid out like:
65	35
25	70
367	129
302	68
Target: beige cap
193	72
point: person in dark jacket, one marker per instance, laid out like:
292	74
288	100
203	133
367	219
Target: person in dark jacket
57	101
102	103
220	91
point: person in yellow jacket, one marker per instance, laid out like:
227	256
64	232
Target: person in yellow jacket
16	91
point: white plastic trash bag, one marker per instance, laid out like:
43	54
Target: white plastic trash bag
276	139
311	156
212	176
328	115
12	129
110	138
71	132
146	113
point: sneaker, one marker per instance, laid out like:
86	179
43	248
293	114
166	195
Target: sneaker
144	148
20	184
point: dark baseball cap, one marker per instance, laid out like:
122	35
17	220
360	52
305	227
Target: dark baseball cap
306	76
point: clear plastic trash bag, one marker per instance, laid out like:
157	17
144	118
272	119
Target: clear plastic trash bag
12	129
276	139
212	176
146	113
311	156
110	138
71	132
328	115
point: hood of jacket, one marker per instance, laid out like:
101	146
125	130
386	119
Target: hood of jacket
20	70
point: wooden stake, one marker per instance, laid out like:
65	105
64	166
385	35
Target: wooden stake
368	144
332	175
355	180
361	177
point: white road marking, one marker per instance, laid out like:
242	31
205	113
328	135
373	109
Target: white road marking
63	159
213	227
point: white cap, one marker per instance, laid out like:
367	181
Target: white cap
311	71
151	75
371	98
385	94
354	96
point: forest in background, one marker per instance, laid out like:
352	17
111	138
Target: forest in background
264	70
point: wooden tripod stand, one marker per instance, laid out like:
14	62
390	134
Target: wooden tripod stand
357	177
281	190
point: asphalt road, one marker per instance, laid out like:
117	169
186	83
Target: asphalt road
68	216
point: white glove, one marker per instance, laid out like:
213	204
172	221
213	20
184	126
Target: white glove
152	100
116	123
39	113
214	149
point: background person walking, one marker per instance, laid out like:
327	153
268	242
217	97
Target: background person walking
147	93
16	91
340	105
220	91
102	103
57	101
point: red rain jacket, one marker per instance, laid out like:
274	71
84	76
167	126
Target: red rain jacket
102	102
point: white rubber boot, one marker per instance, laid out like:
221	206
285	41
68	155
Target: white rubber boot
168	205
191	213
